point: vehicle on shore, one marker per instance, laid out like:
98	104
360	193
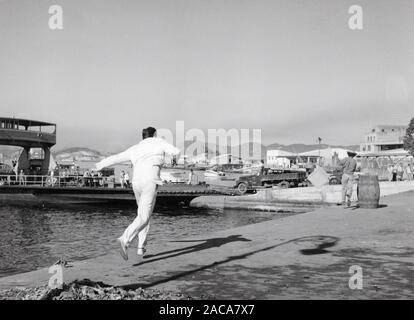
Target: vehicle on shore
335	176
237	183
270	178
221	169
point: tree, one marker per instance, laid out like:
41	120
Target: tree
409	138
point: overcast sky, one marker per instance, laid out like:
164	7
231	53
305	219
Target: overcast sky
292	68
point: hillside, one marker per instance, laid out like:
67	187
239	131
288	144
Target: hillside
299	147
294	148
87	154
77	154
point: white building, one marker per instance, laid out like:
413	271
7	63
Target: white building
327	156
383	138
279	158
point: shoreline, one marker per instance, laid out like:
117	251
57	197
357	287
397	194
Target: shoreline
296	199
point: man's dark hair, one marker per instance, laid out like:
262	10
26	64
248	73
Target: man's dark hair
148	132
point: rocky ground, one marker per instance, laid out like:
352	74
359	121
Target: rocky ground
88	290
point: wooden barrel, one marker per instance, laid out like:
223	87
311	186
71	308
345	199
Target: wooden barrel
368	191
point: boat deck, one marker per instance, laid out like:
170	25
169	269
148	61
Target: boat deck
170	193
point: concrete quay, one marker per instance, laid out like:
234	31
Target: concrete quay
305	256
293	199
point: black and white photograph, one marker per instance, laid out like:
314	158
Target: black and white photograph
223	152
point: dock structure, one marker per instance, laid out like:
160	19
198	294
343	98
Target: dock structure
42	195
29	134
36	187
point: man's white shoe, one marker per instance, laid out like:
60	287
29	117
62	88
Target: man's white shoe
141	251
123	249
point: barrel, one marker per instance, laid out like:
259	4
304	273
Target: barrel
368	191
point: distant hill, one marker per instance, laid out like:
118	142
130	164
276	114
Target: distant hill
299	147
78	154
87	154
295	148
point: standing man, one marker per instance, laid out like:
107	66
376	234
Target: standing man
190	177
348	165
122	179
86	177
22	178
147	158
409	172
126	177
261	168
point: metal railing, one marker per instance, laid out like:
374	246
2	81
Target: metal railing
57	181
73	181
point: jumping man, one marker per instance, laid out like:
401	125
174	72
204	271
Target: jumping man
147	158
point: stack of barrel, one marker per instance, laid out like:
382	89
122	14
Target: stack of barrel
368	191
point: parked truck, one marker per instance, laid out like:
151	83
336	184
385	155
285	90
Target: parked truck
270	178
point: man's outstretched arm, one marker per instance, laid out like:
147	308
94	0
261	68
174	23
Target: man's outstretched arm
171	150
116	158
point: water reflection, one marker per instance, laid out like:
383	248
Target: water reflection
33	238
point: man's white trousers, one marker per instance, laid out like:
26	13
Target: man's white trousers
145	194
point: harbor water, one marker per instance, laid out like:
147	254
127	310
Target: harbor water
32	238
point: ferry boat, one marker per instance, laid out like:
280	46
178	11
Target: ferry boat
33	180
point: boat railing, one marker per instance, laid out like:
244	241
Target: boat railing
56	181
73	181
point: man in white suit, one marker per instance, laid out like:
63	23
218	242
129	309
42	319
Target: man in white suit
147	158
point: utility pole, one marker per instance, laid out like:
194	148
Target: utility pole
319	150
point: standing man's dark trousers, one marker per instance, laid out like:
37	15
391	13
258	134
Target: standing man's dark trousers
347	187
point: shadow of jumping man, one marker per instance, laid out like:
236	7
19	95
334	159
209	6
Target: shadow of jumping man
318	244
206	244
308	245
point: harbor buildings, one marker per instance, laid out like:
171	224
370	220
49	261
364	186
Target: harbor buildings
381	139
